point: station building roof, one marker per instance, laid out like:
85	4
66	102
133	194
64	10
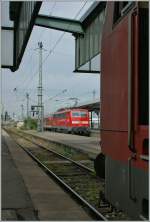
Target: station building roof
93	105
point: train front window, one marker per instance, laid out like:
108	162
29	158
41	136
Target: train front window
75	114
79	114
83	114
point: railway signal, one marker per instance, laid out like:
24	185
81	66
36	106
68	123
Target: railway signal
6	115
34	110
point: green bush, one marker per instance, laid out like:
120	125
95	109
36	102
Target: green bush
30	123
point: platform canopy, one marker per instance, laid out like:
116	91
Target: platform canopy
93	105
18	18
87	32
24	15
88	46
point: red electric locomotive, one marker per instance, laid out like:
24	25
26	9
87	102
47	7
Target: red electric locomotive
75	121
124	107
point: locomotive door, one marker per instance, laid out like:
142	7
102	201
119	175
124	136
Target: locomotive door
137	72
138	105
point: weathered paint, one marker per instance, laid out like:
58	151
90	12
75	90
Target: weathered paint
124	140
114	88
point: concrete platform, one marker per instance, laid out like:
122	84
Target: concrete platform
89	145
16	201
36	190
95	132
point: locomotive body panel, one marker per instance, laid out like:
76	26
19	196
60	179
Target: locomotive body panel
70	121
115	82
79	118
124	106
115	79
127	194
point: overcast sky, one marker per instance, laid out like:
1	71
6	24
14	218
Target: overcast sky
57	69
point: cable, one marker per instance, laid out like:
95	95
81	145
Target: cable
57	42
59	39
58	94
28	68
42	32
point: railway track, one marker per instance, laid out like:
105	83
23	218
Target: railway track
76	155
79	180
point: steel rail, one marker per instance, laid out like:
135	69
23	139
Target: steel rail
49	150
92	210
59	143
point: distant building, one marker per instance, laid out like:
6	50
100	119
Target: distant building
94	120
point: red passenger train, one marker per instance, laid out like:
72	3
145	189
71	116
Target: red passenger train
75	121
124	107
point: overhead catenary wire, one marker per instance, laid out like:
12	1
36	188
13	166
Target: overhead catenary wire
55	45
67	98
59	39
51	50
29	62
58	94
28	68
51	12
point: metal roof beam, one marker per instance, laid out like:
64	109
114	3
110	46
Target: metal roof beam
58	23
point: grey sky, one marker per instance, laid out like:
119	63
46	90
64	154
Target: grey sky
57	69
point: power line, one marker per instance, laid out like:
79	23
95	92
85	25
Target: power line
63	91
28	67
56	43
43	32
59	39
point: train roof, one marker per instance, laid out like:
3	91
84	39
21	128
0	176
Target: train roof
69	110
65	111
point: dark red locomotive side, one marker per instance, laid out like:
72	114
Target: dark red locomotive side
124	106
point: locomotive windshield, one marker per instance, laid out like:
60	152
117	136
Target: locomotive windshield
79	114
83	114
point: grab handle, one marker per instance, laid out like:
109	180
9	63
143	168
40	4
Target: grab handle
130	83
130	181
